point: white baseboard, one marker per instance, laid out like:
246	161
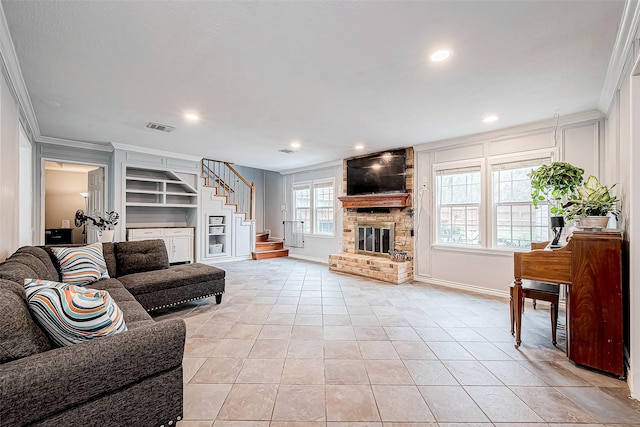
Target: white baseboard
309	258
464	286
225	259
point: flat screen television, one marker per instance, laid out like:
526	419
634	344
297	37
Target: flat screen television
378	173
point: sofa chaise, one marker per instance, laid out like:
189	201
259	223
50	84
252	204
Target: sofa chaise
131	378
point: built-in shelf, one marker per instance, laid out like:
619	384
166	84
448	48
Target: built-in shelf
216	235
149	187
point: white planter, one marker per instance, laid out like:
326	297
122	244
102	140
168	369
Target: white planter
106	235
592	222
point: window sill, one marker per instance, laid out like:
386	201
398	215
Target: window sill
506	252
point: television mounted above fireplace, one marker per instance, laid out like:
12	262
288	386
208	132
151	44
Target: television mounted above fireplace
377	173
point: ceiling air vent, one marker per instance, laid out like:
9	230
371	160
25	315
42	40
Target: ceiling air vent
286	151
161	128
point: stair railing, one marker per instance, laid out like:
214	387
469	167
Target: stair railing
231	185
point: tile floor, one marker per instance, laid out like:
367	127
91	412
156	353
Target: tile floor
294	345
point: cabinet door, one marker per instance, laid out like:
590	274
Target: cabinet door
182	249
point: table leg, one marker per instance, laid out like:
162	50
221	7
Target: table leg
518	302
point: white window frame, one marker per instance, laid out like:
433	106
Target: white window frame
311	229
548	154
437	168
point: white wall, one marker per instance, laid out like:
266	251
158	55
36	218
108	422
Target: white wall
9	172
491	270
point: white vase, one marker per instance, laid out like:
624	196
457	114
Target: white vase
106	235
593	222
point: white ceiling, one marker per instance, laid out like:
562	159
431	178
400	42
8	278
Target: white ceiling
330	74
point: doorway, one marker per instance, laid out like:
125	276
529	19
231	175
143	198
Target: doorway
69	187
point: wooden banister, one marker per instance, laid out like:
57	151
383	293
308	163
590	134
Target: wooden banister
230	184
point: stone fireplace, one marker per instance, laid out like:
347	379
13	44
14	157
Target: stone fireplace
373	225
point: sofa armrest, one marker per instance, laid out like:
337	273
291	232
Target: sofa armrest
38	386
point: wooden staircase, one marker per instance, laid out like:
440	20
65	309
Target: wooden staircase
266	248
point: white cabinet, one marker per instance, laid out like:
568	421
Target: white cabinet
179	241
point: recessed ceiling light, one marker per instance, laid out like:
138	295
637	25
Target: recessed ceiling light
441	55
490	119
295	144
359	147
192	117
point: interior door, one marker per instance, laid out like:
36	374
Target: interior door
95	200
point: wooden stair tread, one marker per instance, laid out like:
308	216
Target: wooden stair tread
276	253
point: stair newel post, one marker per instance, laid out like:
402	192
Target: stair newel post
253	200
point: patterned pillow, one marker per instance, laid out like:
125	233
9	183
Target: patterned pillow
82	265
72	314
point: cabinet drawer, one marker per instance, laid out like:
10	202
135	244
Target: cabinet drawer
146	233
170	232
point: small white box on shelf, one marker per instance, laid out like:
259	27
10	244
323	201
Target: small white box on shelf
216	230
215	248
214	220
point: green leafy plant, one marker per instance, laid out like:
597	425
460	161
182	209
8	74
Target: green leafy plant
593	199
556	183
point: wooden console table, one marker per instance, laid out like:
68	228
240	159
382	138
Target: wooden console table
591	264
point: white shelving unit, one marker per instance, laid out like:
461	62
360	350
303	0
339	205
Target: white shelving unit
216	235
149	187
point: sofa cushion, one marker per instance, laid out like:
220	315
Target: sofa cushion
109	253
49	266
19	335
173	277
81	265
140	256
72	314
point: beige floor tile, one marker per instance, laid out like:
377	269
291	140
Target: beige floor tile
260	371
285	308
401	404
303	371
200	347
345	372
429	372
336	320
351	403
392	424
471	372
411	350
253	318
285	319
552	406
501	405
553	374
194	423
269	349
233	348
378	350
244	332
308	319
203	401
250	402
449	351
452	404
299	349
298	424
396	320
513	373
190	366
388	372
485	351
603	407
402	333
301	332
275	332
221	423
341	350
434	335
370	333
300	403
335	333
364	319
208	330
218	371
329	309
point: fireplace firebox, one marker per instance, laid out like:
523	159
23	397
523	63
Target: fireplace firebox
374	238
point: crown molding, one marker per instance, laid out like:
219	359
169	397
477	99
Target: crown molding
75	144
163	153
514	131
13	75
619	66
318	166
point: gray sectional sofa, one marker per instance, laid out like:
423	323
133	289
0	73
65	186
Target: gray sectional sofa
133	378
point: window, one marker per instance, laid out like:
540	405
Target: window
516	222
317	211
458	205
302	206
323	208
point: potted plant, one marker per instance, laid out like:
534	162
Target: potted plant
555	183
591	206
104	221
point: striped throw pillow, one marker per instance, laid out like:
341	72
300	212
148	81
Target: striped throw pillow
82	265
72	314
